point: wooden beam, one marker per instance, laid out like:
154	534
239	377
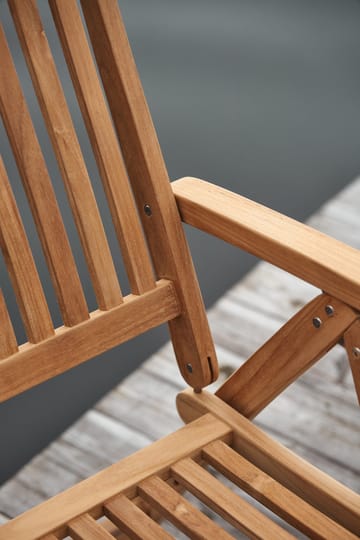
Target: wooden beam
308	254
352	344
69	347
287	354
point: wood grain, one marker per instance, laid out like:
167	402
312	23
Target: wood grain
67	150
8	343
133	521
103	139
39	191
72	346
86	528
225	502
21	267
352	344
286	355
89	495
297	248
149	179
318	489
273	494
179	511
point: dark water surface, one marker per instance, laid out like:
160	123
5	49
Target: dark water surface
261	97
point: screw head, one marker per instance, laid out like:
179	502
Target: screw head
356	351
147	209
317	322
189	368
329	310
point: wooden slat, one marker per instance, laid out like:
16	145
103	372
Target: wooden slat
225	502
86	528
89	495
297	248
190	332
21	267
105	144
179	511
67	149
40	193
133	521
273	494
352	344
286	355
317	488
72	346
8	343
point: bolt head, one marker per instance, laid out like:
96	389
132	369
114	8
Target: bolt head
317	322
147	209
189	368
356	352
329	310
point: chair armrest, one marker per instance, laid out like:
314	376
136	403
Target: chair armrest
297	248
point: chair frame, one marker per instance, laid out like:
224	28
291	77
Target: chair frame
164	288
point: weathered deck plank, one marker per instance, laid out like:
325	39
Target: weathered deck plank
320	407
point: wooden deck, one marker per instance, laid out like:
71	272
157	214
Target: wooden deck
318	416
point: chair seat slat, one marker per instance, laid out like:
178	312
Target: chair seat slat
133	521
222	500
105	145
67	149
8	344
86	528
21	266
273	494
40	193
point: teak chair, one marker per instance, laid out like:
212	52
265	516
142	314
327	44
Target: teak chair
135	493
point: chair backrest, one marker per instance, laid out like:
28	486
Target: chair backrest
158	264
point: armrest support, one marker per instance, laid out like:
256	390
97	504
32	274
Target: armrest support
297	248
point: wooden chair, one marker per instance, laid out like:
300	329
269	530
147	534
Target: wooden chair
135	493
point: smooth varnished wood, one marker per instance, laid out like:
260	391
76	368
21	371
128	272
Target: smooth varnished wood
352	344
170	254
102	135
89	495
86	528
225	502
40	193
179	511
68	347
21	267
286	355
297	248
320	490
273	494
8	343
133	521
67	149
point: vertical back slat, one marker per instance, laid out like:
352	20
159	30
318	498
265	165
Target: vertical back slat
8	344
67	149
21	266
101	132
190	333
40	192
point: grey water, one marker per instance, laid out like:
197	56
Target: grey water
261	97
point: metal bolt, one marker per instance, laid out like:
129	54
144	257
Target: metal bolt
356	351
329	310
317	322
147	209
189	368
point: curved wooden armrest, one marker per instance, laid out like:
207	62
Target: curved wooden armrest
297	248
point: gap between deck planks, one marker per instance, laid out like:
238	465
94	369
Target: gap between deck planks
320	407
